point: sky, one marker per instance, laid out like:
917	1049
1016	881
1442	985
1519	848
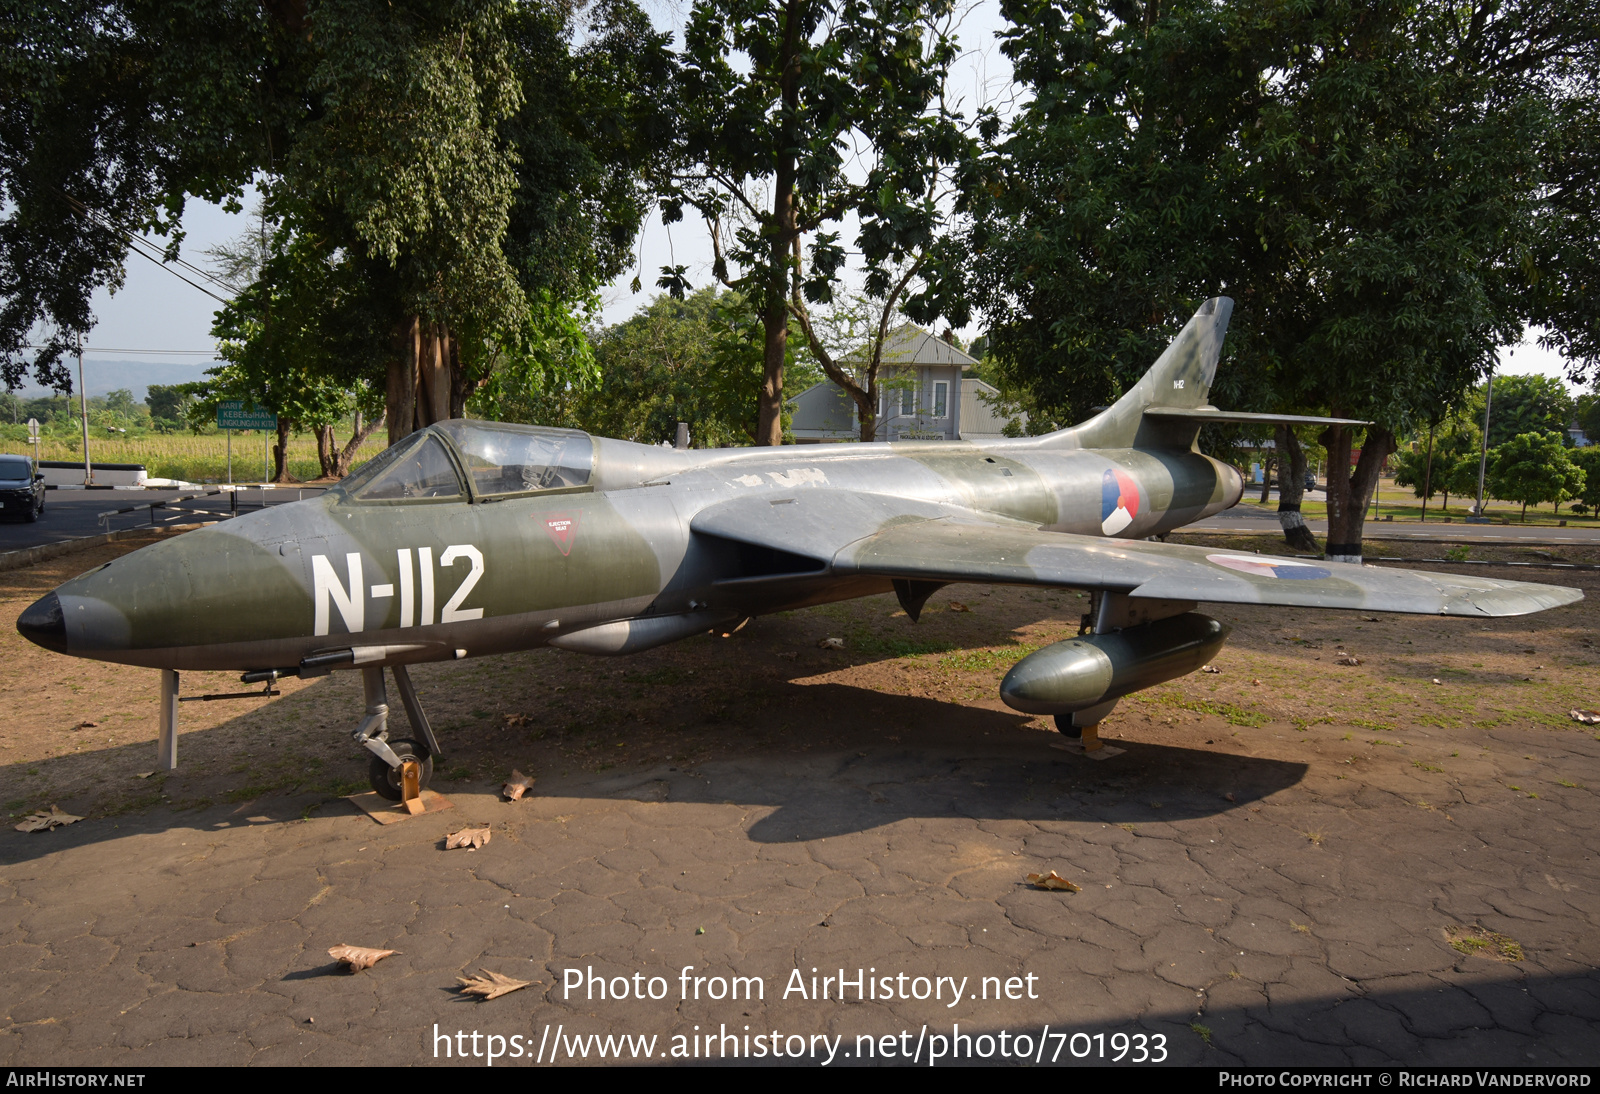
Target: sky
157	318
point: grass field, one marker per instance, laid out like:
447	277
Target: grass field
1399	503
188	456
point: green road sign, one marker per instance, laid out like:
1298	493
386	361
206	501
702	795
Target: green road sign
232	415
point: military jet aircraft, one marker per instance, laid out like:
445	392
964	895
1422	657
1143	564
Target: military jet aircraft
471	538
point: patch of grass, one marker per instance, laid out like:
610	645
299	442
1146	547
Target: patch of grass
1303	928
1479	941
1426	767
1203	1031
1382	727
1233	715
1314	836
1381	741
1571	786
971	660
880	645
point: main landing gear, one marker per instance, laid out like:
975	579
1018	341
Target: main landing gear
400	768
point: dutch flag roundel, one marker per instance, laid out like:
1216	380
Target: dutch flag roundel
1119	501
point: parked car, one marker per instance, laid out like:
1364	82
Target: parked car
1311	480
21	488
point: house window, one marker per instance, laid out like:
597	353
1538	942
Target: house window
941	400
908	399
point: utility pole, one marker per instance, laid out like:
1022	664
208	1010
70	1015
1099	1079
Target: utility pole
1483	455
83	408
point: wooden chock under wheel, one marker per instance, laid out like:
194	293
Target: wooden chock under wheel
1091	738
410	787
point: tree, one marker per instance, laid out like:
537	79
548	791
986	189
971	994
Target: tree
693	360
1566	300
1587	461
464	168
168	403
1533	468
1353	175
116	112
1455	463
1524	404
775	94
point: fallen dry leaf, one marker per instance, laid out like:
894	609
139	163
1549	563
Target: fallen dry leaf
143	774
516	719
1052	880
1438	681
87	725
1348	659
1209	668
831	644
491	985
470	838
43	822
1587	717
957	606
359	957
518	785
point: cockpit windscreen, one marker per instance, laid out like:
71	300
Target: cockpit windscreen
521	459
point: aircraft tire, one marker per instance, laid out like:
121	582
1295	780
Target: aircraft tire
1065	727
386	780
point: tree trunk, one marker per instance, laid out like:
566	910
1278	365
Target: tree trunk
400	396
1348	494
280	452
1267	463
347	456
1292	491
327	450
461	385
775	316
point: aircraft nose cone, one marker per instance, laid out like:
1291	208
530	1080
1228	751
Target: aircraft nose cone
44	624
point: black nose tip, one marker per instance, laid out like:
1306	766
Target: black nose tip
44	624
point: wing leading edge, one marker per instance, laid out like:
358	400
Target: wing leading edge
879	535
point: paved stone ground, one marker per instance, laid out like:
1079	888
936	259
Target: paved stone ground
1301	922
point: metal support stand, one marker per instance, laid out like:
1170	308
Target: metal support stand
414	711
167	741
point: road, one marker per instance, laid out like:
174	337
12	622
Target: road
72	514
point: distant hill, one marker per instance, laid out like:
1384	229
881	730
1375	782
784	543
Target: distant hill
104	376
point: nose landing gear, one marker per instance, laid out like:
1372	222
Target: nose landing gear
395	764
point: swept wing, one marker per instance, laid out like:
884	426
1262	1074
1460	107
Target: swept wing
856	533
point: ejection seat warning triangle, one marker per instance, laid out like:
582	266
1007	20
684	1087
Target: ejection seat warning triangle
563	529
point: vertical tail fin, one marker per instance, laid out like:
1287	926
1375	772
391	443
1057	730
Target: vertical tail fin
1181	377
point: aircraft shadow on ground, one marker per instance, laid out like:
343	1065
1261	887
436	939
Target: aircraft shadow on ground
881	758
945	760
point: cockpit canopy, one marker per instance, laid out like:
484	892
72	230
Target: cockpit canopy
500	459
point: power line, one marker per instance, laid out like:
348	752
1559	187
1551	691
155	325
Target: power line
137	243
160	352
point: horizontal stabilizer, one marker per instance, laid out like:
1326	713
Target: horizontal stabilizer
1204	414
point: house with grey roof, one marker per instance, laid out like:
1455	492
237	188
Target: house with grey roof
922	397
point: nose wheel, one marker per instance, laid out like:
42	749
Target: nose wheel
399	769
389	781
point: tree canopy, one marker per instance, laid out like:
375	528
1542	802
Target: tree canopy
1362	179
451	174
783	96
